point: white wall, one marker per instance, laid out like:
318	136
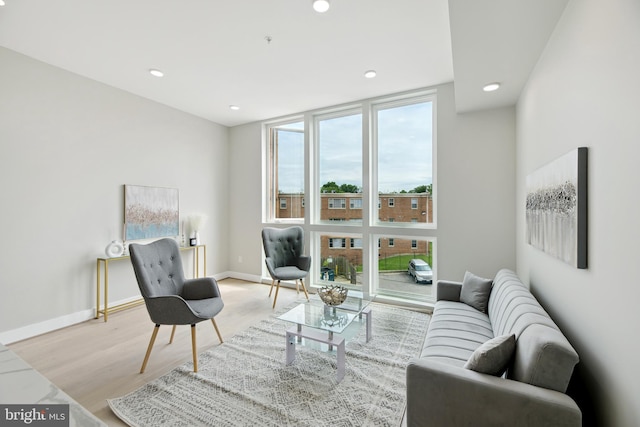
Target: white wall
476	192
245	201
67	146
584	91
476	189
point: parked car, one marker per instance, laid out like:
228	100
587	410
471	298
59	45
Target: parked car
420	271
327	273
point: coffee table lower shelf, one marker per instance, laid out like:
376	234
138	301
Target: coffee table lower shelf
296	332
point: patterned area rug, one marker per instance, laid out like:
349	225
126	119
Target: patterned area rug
244	382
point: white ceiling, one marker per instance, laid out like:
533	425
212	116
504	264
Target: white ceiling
214	53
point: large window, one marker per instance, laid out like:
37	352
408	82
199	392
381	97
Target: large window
339	138
399	274
371	203
403	131
286	171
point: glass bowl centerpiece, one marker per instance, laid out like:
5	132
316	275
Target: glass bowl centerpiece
333	295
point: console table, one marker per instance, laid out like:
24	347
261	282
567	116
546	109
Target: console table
106	261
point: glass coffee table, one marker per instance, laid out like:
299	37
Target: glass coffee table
319	322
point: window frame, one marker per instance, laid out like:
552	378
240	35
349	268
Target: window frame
370	226
271	196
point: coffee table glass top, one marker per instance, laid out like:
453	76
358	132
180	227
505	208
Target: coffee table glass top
316	314
319	317
356	301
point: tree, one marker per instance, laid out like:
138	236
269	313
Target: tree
330	187
422	189
349	188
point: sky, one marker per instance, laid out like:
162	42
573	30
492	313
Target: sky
404	150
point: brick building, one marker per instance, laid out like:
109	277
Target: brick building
396	207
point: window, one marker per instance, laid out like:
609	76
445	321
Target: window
337	243
339	151
392	260
355	203
403	132
337	203
286	169
351	165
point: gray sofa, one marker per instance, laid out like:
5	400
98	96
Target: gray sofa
442	392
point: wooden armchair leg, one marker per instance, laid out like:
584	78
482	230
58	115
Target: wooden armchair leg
146	356
194	348
304	288
276	297
215	325
271	290
173	332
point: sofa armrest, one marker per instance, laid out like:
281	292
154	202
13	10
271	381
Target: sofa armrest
439	394
447	290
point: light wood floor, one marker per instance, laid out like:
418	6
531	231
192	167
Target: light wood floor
94	360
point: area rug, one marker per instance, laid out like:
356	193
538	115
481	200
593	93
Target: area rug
244	382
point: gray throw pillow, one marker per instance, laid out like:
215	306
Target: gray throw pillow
493	356
475	291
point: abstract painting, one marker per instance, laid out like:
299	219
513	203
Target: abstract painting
150	212
556	210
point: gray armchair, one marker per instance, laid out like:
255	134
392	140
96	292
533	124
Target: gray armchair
284	249
170	298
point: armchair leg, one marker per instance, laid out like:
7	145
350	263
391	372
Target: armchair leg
173	332
271	290
304	289
215	325
193	348
146	356
276	297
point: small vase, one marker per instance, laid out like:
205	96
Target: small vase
114	249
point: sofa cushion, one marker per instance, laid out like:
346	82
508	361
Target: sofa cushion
493	356
456	330
475	291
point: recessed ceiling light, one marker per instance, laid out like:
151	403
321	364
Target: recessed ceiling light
491	87
1	2
370	74
234	107
156	73
321	6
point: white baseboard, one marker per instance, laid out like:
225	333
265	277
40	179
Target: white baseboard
242	276
40	328
50	325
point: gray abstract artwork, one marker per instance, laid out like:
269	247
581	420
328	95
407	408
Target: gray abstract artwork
556	208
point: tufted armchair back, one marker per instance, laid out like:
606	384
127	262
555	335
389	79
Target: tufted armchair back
283	246
158	268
